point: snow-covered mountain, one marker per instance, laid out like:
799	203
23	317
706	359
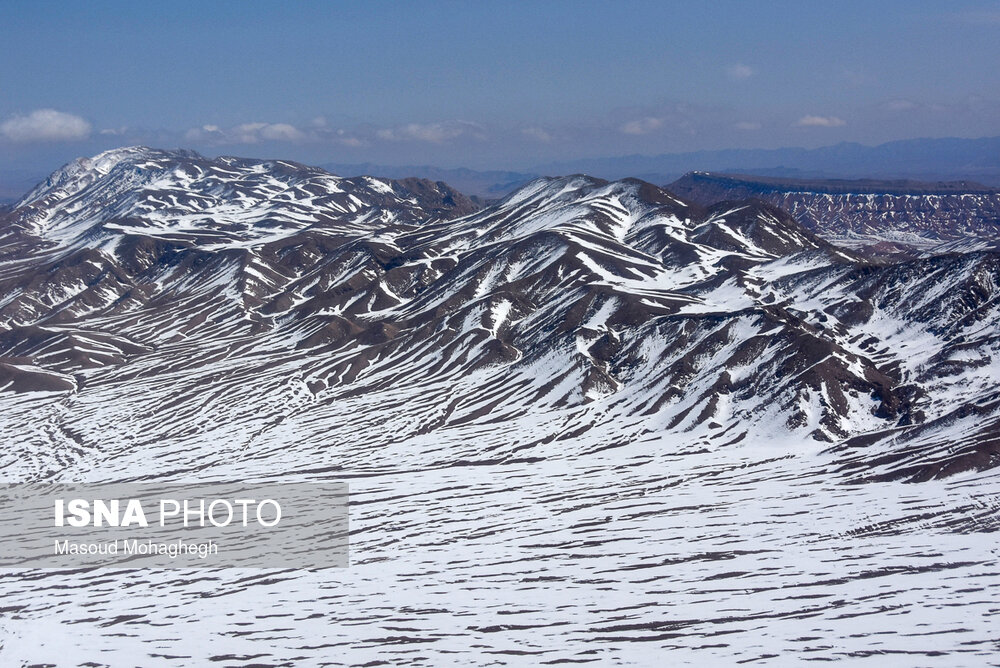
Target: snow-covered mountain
615	305
167	316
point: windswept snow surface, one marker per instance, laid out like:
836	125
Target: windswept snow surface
588	424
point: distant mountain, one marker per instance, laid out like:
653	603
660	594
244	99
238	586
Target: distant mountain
698	186
910	214
16	182
921	159
486	185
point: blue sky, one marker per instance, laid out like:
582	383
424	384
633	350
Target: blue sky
489	84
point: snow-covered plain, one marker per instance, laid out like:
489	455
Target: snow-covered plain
629	557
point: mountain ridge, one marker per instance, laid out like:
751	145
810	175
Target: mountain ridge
572	295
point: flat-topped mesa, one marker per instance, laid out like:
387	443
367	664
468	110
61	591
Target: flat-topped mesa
697	184
864	212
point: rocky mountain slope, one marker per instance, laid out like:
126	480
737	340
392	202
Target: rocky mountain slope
503	381
573	296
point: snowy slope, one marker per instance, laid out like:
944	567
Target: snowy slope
557	412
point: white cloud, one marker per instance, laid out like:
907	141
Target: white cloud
347	139
204	133
245	133
748	125
642	126
739	71
537	134
820	122
281	132
431	132
45	125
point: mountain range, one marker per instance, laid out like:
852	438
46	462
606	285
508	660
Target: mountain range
570	291
927	159
944	159
922	160
483	185
569	417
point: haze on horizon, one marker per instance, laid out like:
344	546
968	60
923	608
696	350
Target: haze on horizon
488	85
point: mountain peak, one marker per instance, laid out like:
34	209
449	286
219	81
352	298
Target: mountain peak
183	196
80	173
